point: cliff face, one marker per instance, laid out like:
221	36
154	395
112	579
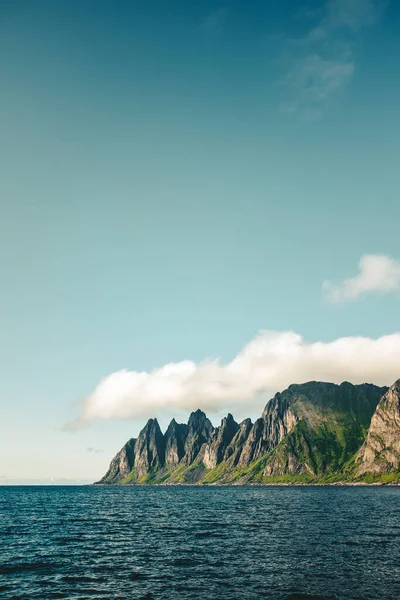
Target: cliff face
276	422
235	448
311	430
121	465
330	422
216	449
380	452
149	450
199	434
175	438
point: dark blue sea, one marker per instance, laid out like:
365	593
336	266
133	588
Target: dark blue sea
291	543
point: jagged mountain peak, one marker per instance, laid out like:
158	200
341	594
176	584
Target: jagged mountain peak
199	433
229	418
309	429
228	428
199	421
152	422
149	449
175	438
222	436
197	415
174	424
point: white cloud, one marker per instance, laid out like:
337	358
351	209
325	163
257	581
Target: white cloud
269	363
322	62
377	274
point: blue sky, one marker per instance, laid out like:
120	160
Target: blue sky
177	177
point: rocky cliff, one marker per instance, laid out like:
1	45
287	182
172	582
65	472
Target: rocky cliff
149	450
310	432
380	453
175	437
121	465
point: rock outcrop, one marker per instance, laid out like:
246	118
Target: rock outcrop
235	448
380	452
121	465
313	430
149	449
276	422
329	427
199	433
175	438
215	451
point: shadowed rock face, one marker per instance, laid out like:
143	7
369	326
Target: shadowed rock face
221	438
276	422
122	464
309	429
149	449
175	438
199	433
380	452
235	448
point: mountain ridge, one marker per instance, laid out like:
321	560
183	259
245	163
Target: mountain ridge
315	432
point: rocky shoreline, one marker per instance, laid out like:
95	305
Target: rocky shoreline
276	484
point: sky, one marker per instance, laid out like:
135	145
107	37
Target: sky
199	206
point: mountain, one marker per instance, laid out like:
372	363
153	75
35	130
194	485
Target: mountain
122	464
175	437
380	453
311	432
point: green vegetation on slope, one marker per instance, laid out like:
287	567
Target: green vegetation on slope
327	426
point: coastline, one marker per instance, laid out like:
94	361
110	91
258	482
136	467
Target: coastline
272	484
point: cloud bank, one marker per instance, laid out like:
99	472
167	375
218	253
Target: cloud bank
269	363
322	62
377	274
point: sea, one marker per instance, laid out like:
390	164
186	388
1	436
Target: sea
200	543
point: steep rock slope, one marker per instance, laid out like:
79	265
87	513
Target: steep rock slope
199	433
276	422
215	451
235	448
331	426
149	450
380	452
175	438
313	430
121	465
310	430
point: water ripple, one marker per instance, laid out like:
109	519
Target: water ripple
187	543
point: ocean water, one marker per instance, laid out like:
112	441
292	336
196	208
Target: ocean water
290	543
